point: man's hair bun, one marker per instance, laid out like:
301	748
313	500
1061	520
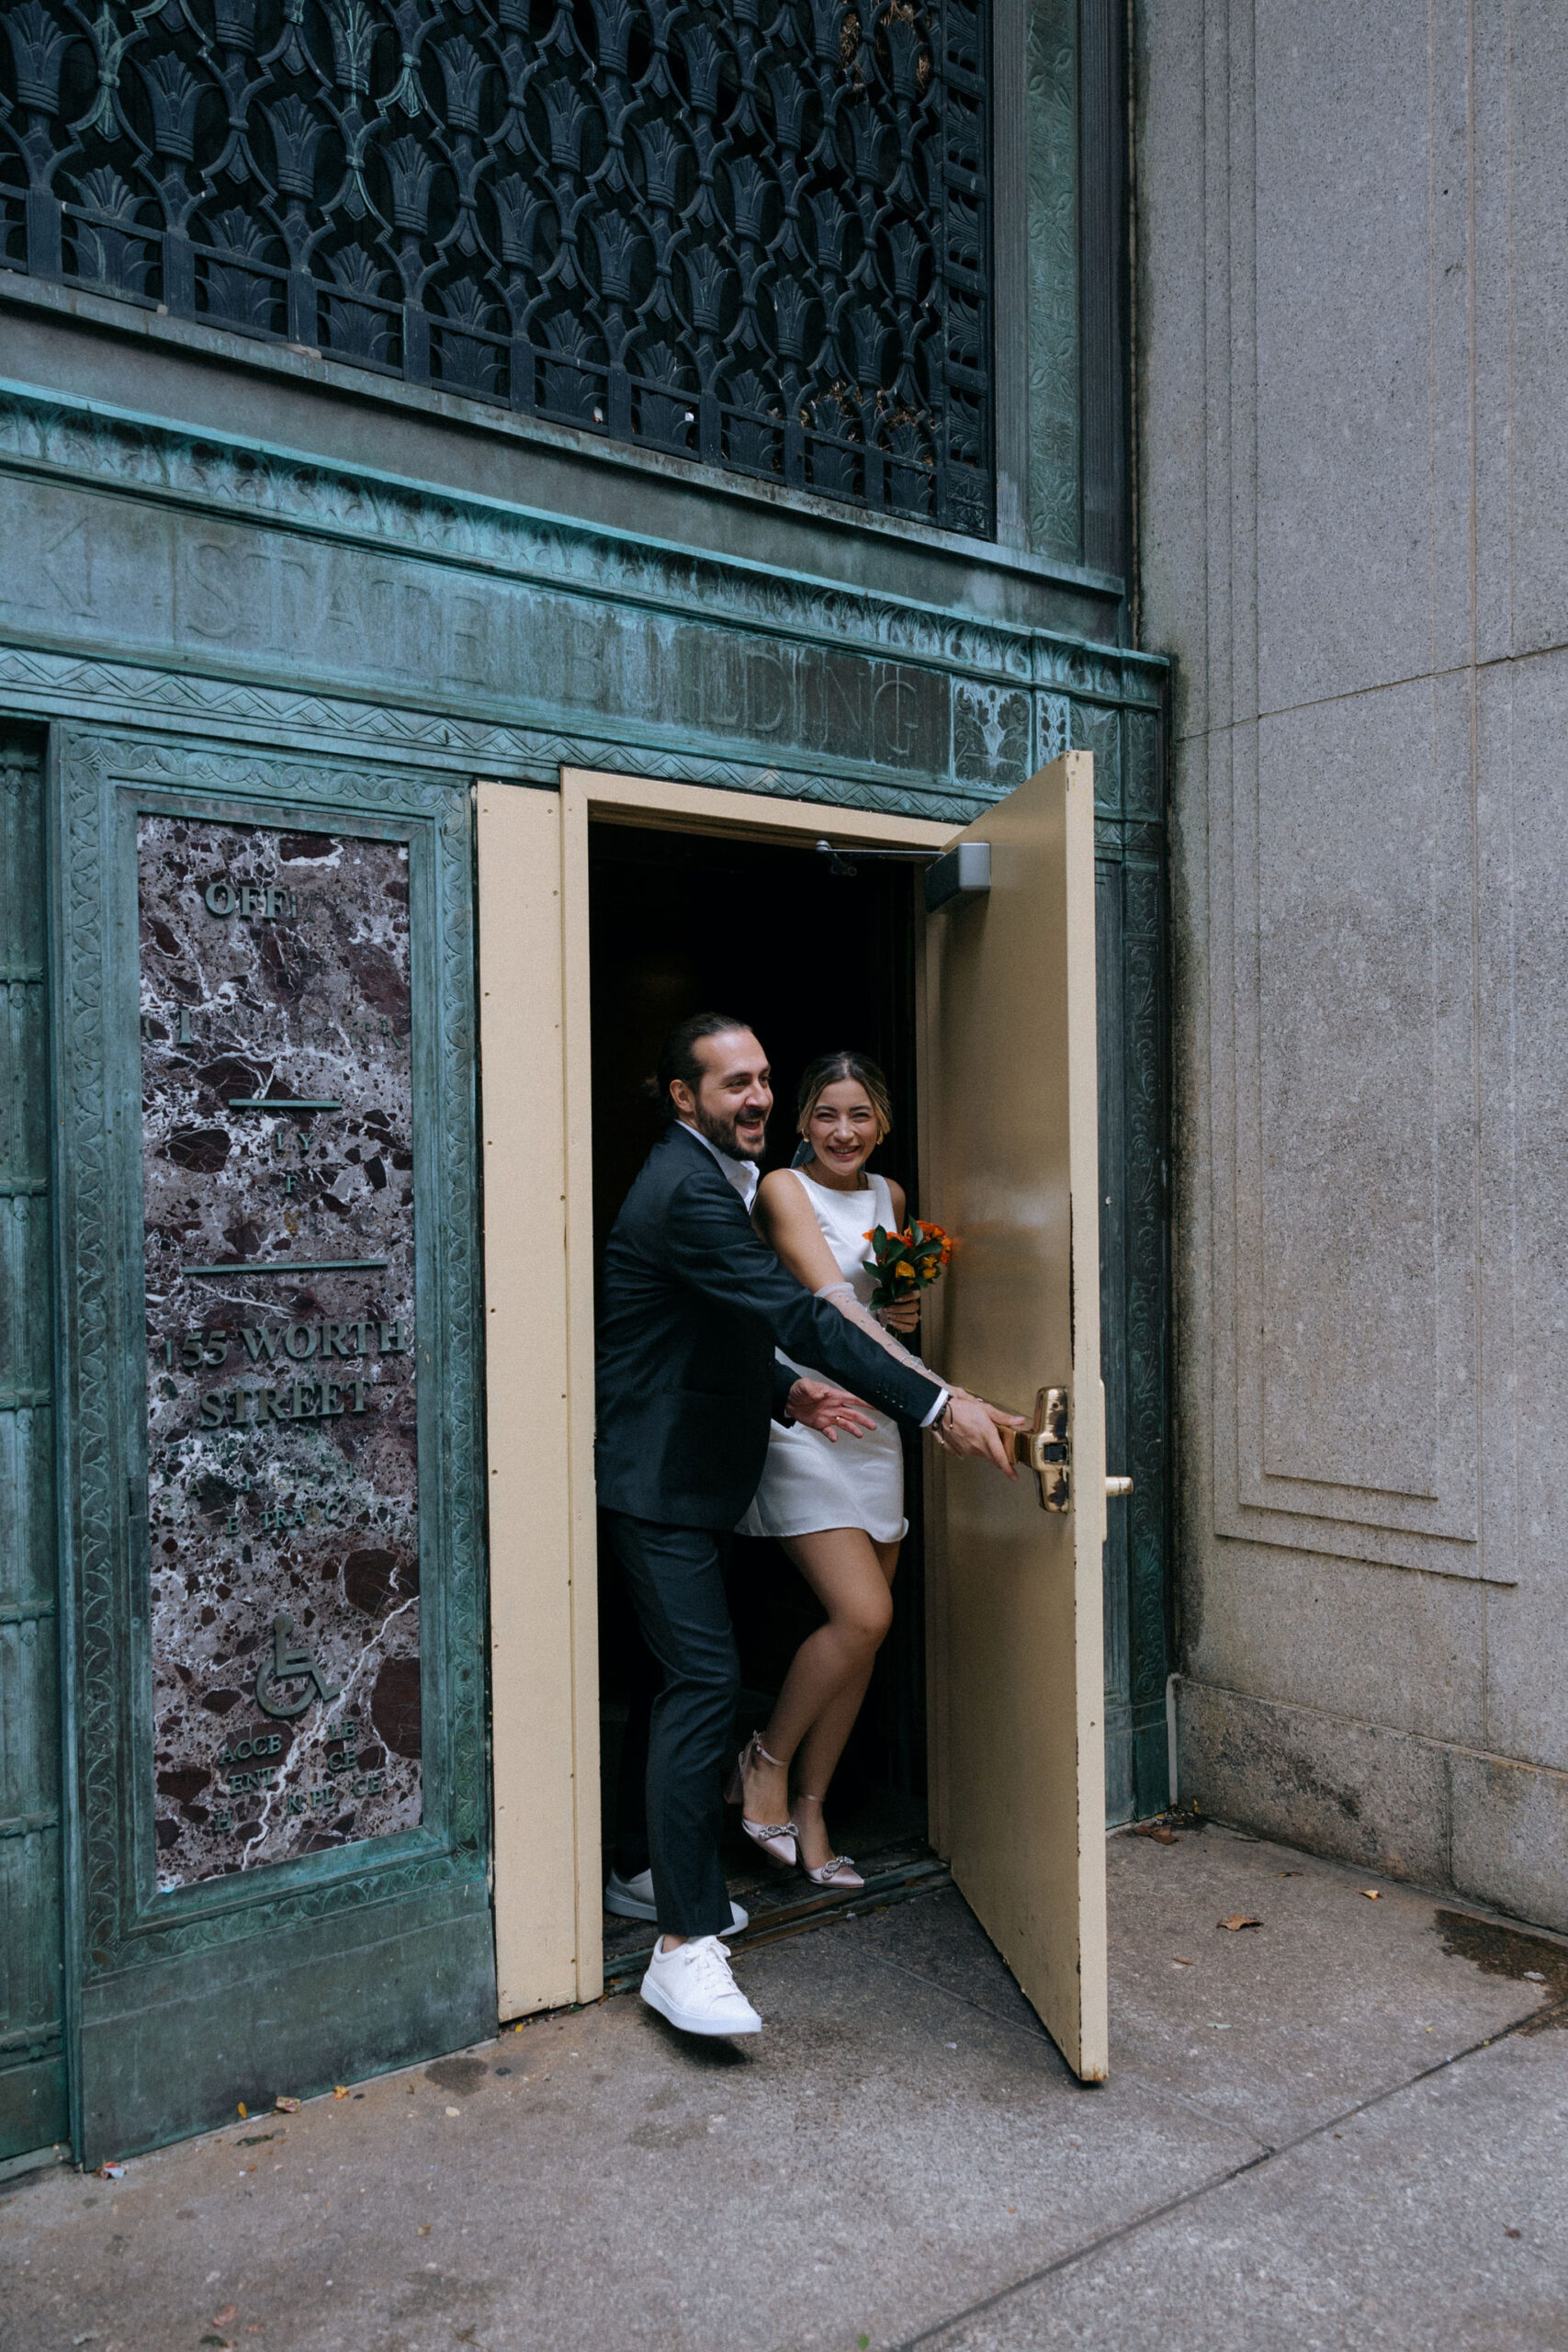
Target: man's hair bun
678	1056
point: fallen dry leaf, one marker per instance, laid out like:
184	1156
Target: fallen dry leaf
229	2311
340	2090
425	2228
1372	1894
1160	1831
1287	1873
282	2106
1237	1920
241	2109
1181	1963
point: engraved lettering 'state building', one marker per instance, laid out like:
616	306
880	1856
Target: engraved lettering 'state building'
282	1451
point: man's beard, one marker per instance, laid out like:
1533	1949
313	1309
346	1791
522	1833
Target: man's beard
720	1129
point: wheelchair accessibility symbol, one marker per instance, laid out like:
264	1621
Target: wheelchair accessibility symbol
288	1665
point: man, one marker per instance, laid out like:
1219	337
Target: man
692	1304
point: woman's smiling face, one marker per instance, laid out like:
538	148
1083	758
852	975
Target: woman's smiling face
843	1129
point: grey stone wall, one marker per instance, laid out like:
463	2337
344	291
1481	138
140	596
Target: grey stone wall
1352	258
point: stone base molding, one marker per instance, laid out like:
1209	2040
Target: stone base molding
1488	1827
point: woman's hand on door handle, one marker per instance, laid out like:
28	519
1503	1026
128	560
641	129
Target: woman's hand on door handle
969	1426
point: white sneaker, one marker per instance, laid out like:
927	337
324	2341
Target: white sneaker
632	1898
693	1988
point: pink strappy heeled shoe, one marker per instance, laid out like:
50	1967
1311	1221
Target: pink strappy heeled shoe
777	1838
837	1872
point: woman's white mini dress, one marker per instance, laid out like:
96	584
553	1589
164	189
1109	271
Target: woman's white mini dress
809	1483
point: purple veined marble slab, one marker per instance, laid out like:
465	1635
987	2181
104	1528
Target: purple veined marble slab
282	1446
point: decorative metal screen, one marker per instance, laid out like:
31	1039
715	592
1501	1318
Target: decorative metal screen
754	233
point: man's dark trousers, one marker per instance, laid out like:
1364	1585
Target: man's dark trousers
676	1579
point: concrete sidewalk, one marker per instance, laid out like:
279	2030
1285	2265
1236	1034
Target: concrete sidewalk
1347	2127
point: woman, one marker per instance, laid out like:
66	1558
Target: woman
837	1510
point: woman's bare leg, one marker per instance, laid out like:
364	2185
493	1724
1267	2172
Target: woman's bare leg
823	1691
817	1757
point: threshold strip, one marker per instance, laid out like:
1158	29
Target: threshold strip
34	2159
623	1974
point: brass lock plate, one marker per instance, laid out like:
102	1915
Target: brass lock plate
1046	1449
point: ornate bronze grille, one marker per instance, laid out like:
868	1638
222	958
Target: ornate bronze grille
754	233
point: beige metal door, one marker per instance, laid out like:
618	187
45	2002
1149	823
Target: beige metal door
1012	1160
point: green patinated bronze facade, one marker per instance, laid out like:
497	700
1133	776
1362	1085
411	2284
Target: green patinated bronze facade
244	590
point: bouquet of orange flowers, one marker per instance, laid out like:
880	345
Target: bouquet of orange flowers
904	1261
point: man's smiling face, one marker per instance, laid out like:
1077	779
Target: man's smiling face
731	1102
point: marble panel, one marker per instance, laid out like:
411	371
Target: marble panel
282	1448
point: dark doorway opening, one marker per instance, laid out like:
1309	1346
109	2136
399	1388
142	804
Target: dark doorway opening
814	957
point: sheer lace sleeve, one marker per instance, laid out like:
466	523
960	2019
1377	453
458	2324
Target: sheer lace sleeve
842	1295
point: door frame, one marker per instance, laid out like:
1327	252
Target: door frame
537	1143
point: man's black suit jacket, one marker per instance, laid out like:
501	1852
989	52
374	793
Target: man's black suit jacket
690	1304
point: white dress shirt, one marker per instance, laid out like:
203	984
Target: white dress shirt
743	1175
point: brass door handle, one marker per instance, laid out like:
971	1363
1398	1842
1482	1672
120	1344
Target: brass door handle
1047	1447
